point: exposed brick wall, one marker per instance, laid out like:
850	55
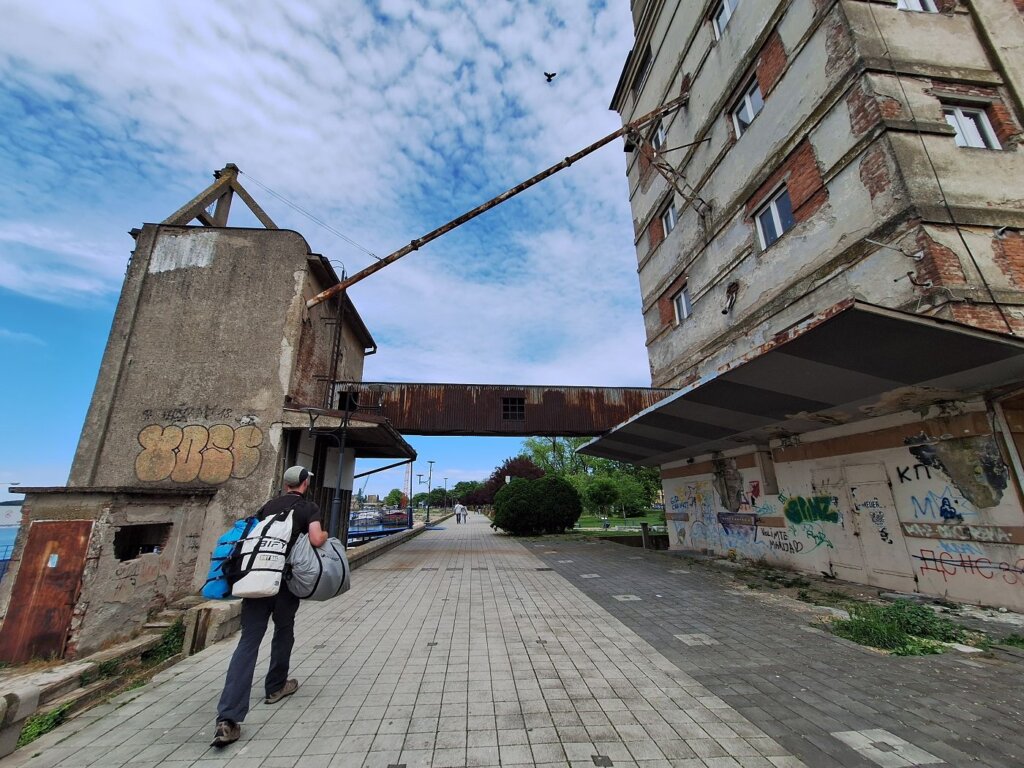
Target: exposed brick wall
839	43
863	108
1003	122
802	176
985	316
666	312
655	231
940	264
1008	254
1019	4
875	172
770	64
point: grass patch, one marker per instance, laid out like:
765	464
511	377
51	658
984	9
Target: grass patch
38	725
171	642
904	628
1016	641
653	517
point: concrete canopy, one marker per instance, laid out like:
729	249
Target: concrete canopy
853	362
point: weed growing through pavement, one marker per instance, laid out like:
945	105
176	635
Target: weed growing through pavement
904	628
38	725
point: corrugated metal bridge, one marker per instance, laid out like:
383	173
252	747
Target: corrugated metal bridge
498	409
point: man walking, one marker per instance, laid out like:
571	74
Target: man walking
460	513
256	612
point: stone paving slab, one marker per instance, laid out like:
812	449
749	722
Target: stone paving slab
459	648
828	701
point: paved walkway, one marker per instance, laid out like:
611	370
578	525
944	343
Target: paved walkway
467	648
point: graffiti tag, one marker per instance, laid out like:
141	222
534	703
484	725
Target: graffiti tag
209	454
817	509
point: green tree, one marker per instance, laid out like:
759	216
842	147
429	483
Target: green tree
557	455
516	507
558	503
464	489
633	499
394	498
601	492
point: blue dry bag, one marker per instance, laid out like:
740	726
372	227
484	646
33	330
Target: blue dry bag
218	585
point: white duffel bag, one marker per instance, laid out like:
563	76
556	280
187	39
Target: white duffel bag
317	573
259	558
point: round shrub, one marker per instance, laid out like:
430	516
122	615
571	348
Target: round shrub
515	507
559	505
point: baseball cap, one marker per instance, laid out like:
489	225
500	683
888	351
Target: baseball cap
295	476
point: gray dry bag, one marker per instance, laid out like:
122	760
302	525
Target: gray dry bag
317	573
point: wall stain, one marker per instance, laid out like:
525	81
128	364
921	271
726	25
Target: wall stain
973	464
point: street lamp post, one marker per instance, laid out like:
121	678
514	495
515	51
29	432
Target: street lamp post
430	473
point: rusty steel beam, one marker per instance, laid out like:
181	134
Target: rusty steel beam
415	245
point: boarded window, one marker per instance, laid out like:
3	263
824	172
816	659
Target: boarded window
131	541
513	408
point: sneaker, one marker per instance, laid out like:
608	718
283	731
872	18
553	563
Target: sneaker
227	732
290	687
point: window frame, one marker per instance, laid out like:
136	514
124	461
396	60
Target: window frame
771	204
659	136
513	409
744	101
669	218
643	72
682	305
917	6
985	130
722	5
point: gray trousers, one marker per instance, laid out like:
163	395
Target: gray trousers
256	612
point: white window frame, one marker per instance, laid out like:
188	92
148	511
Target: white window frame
746	102
726	7
917	6
773	206
659	137
958	118
669	218
683	305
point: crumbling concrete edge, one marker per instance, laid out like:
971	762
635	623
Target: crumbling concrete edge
215	620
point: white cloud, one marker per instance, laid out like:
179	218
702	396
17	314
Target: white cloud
385	119
19	337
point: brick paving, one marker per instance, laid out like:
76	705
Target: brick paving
805	688
467	648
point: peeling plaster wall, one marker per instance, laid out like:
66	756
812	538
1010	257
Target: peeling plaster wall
938	514
117	596
868	130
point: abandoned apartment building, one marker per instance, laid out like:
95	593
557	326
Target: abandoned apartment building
212	371
830	238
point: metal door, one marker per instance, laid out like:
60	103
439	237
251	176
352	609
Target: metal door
885	552
45	591
841	537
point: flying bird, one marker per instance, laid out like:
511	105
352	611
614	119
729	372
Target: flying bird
550	75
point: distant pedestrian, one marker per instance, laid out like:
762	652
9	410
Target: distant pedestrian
256	613
460	513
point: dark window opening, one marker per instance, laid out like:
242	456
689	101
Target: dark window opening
131	541
513	409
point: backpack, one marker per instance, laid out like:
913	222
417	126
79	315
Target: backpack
317	573
260	557
218	583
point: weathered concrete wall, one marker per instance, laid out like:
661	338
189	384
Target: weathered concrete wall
921	506
836	116
117	596
210	340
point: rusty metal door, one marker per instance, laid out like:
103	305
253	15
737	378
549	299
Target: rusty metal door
44	594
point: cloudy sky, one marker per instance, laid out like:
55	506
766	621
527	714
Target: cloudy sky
383	119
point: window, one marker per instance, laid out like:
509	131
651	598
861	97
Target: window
513	409
658	137
922	6
720	18
132	541
682	304
774	218
642	71
972	127
669	218
747	108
